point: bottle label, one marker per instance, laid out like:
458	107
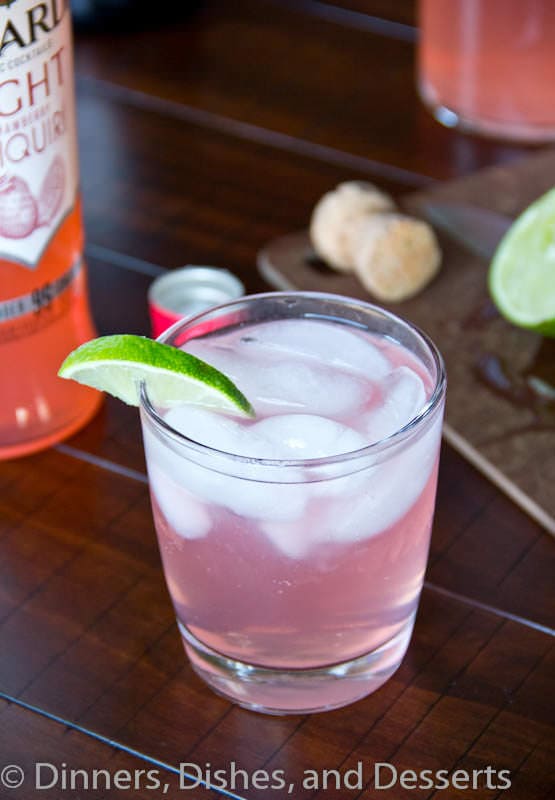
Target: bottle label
38	142
31	312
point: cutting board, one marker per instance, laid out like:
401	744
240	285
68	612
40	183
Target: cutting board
500	401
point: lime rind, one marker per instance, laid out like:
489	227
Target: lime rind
120	364
522	273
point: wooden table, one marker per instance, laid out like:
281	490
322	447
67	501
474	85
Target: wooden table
200	141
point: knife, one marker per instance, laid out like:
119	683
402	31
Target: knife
477	229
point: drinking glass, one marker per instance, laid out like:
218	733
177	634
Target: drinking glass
296	582
487	66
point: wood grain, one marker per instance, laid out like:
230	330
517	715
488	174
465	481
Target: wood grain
201	141
35	742
297	75
178	193
111	659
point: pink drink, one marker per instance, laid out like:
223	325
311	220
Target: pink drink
314	564
488	65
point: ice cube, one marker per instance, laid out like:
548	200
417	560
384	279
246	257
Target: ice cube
207	427
277	371
344	485
404	396
307	436
254	499
219	432
274	384
185	515
293	539
392	488
274	502
232	364
328	343
290	385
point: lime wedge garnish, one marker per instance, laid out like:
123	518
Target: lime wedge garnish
522	273
119	364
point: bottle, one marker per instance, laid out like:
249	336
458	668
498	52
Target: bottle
44	310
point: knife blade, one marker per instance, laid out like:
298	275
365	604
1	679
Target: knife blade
477	229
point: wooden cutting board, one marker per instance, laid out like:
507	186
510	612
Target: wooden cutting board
500	401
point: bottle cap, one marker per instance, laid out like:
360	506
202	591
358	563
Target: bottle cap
187	291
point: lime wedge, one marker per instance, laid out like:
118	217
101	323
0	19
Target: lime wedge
119	364
522	272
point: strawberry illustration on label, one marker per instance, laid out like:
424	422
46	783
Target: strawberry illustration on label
52	191
20	213
18	208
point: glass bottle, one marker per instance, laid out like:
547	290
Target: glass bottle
44	310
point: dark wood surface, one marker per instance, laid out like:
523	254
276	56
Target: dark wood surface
47	750
200	141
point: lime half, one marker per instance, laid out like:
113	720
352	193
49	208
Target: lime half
119	364
522	272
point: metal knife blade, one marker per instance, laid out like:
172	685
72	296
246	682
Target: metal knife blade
477	229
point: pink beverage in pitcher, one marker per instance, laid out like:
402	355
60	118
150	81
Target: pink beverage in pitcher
488	65
295	544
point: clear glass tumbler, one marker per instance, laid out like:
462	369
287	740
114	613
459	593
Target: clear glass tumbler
296	580
487	66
